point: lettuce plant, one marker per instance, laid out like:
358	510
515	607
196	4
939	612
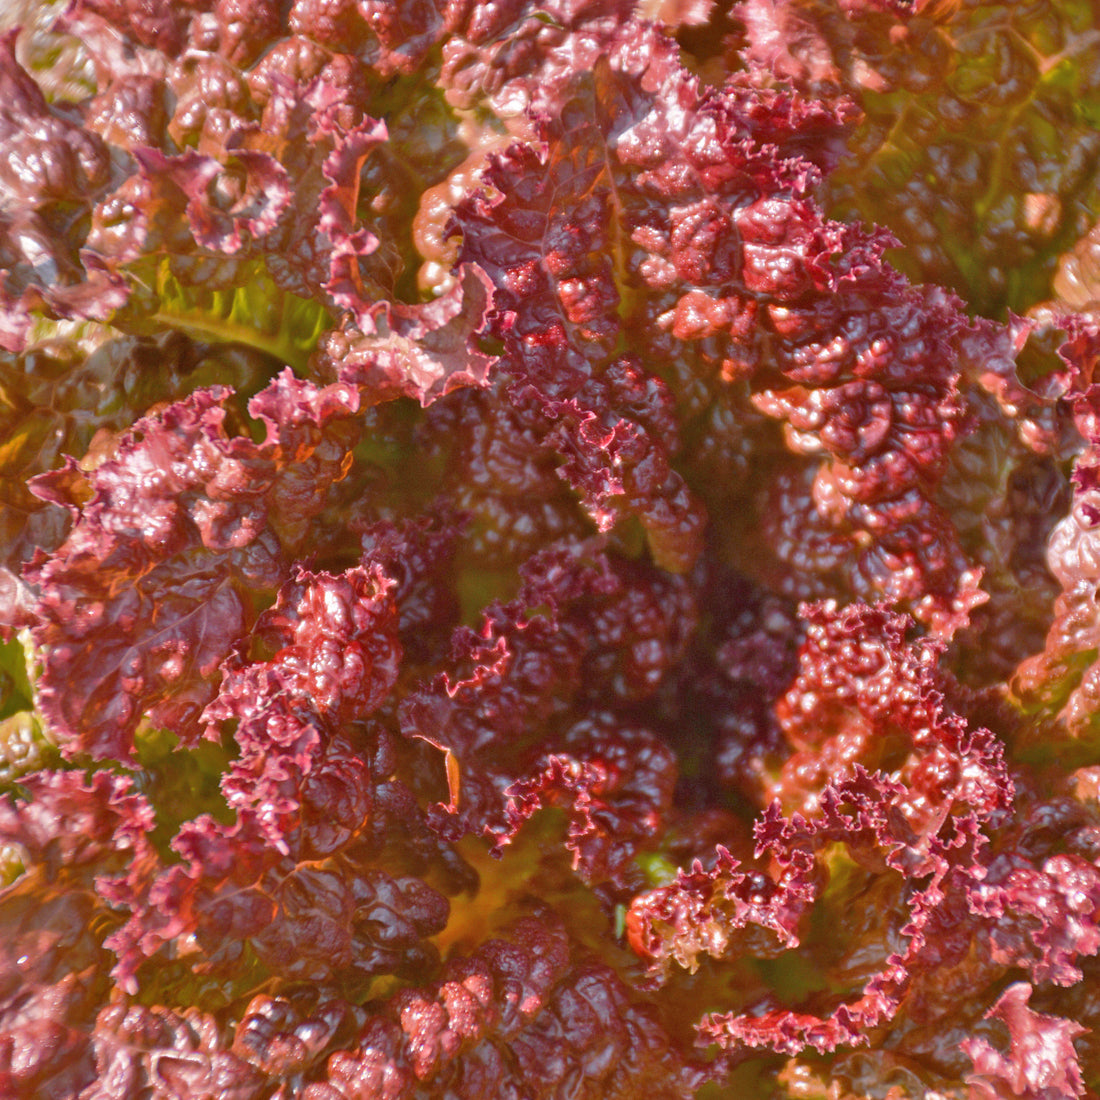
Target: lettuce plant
550	550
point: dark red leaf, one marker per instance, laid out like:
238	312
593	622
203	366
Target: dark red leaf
172	536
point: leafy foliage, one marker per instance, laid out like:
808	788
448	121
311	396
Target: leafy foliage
519	576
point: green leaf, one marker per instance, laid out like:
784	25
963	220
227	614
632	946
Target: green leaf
255	313
16	692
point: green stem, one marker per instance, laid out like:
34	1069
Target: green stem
215	329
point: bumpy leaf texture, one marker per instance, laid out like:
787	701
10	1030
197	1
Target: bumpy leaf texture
577	629
52	165
74	397
292	879
519	577
859	687
663	216
69	830
1063	675
520	1018
970	110
172	535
